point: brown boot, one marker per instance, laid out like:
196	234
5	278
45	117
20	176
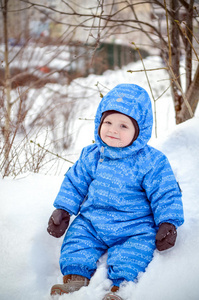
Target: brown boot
111	295
71	283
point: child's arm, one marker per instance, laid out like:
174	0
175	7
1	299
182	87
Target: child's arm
163	192
164	195
75	185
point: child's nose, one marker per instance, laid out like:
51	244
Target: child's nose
114	129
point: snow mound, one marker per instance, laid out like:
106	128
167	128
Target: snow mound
29	256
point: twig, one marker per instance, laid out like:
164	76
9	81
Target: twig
147	70
184	32
155	118
183	95
50	152
85	119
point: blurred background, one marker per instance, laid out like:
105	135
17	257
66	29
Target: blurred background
46	45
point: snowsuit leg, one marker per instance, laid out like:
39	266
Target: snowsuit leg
81	249
127	259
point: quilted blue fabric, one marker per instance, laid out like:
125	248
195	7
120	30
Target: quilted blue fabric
121	196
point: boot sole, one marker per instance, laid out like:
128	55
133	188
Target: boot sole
112	297
57	291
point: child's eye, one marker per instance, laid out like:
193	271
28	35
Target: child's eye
123	126
107	122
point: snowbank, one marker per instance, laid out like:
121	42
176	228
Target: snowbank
29	256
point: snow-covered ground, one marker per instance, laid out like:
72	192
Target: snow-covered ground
29	256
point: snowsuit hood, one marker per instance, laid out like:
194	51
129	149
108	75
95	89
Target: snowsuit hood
131	100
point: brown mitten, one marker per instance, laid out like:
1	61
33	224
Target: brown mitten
58	222
166	236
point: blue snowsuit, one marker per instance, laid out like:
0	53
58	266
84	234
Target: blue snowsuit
121	196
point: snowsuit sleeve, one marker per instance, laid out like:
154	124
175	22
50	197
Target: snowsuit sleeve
163	192
75	185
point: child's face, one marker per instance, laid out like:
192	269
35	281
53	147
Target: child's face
117	130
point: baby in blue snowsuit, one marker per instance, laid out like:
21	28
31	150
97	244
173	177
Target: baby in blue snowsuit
123	192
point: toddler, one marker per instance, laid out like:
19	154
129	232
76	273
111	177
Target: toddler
124	194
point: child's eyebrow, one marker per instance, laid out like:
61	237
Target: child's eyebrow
124	122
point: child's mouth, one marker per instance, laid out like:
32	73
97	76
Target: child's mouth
113	137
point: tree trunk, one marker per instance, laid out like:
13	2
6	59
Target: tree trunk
192	97
192	87
174	57
188	46
7	129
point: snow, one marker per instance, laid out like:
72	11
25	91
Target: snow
29	257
